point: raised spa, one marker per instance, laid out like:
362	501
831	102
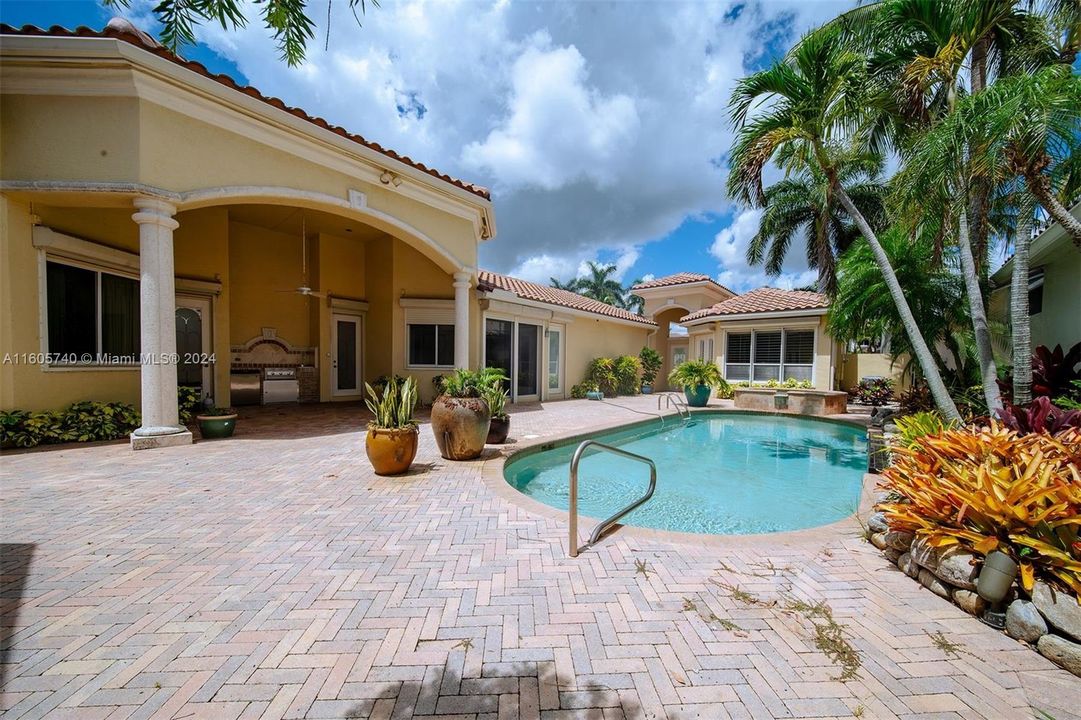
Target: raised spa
718	473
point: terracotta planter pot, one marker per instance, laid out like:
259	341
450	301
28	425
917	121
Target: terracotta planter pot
460	426
391	450
498	430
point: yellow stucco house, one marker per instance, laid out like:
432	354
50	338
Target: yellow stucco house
761	335
160	225
1054	287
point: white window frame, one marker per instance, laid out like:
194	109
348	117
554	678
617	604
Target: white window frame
784	330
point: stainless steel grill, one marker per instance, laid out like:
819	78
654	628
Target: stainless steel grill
280	385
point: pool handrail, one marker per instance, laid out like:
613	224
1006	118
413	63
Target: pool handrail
670	400
572	517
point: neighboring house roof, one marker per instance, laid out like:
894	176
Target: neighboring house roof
762	300
554	296
680	278
121	30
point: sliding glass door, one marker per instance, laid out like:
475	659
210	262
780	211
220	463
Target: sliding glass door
528	362
516	349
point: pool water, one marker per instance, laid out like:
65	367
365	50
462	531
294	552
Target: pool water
726	473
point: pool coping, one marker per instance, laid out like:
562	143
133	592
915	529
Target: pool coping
492	476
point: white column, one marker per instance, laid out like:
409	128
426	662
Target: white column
157	328
461	319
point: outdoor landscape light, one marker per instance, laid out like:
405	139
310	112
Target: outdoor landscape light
385	177
994	583
397	181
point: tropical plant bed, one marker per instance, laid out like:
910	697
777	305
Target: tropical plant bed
952	499
802	402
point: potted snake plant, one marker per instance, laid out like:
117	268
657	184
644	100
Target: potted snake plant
391	443
499	428
697	378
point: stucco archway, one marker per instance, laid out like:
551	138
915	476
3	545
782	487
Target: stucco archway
354	208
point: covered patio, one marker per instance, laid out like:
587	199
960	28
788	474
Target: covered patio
273	575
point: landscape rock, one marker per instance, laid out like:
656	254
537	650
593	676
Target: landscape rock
955	566
907	566
1059	608
923	554
932	583
879	540
1024	622
892	555
1062	652
970	602
899	539
877	522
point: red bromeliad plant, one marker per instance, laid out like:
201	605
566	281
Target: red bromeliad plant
989	488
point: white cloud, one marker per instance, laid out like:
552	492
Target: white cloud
600	127
558	129
730	249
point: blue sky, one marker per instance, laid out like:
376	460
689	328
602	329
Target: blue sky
600	127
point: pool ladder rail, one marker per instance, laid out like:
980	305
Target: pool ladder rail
668	399
572	519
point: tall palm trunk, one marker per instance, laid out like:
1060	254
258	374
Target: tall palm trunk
981	188
984	355
1019	311
923	354
1039	186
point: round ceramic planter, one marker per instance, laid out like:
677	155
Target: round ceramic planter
498	430
460	426
212	427
595	395
647	389
697	396
391	450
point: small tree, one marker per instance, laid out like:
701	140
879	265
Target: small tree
651	364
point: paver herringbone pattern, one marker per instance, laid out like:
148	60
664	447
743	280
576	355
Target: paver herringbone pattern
271	576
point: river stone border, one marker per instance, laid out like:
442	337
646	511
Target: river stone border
1049	621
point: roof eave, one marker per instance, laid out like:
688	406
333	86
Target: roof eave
764	315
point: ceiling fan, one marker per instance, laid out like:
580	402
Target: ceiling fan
304	288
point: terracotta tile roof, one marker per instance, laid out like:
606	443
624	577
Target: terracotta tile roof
680	278
125	32
763	300
553	296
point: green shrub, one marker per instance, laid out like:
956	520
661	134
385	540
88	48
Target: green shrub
911	428
628	370
651	364
602	373
187	398
81	422
579	391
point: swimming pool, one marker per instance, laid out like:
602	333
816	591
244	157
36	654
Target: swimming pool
719	473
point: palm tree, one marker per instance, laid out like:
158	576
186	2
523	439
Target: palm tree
635	303
571	285
797	206
919	52
862	307
600	285
816	111
290	22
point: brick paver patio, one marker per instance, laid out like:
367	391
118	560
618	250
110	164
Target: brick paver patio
274	576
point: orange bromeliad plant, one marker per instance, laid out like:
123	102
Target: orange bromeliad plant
992	489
